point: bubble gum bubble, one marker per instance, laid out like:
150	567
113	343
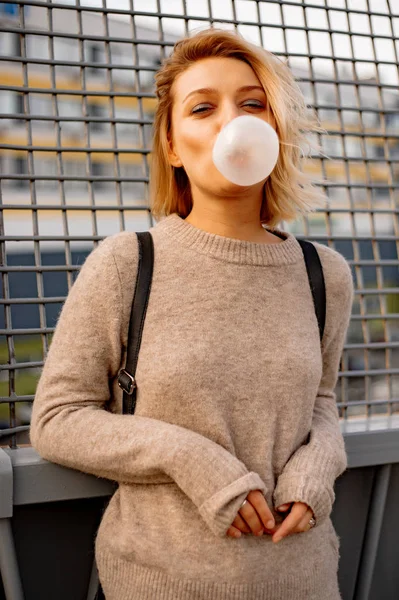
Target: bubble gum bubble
246	150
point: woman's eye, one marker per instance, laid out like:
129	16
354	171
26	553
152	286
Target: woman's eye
200	108
254	103
205	107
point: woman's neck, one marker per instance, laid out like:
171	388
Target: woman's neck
234	218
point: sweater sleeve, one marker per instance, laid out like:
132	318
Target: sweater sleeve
72	423
310	473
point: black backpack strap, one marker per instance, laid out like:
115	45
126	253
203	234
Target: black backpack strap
126	377
316	282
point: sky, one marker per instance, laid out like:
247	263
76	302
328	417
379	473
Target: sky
360	25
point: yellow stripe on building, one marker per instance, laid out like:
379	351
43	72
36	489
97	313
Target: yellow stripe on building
68	142
10	78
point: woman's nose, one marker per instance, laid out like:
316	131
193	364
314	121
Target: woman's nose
229	113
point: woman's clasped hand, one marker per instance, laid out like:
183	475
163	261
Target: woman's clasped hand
256	517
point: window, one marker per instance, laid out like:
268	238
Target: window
19	104
20	168
16	45
95	110
94	55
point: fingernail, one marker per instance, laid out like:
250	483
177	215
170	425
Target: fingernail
270	524
259	532
237	534
277	539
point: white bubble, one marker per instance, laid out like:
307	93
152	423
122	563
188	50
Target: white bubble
246	150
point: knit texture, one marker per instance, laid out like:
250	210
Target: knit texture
235	393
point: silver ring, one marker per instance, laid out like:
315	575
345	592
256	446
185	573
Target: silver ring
243	504
312	522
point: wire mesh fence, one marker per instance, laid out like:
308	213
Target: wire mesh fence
76	107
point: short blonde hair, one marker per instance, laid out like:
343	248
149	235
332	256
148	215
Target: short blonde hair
288	190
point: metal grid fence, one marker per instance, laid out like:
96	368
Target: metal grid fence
76	107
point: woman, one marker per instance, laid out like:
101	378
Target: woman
227	467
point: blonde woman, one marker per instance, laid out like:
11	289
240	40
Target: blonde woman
226	469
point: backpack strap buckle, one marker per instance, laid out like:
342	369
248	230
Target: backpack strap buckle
126	382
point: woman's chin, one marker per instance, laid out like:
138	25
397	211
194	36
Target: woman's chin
230	187
217	184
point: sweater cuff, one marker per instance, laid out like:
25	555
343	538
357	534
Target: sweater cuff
304	488
320	459
221	509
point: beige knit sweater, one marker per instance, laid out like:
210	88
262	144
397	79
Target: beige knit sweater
234	395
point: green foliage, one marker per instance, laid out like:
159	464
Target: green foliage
393	303
27	348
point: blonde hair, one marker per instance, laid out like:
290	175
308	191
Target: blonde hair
288	190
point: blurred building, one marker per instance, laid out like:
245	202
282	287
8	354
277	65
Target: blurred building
76	90
360	116
52	119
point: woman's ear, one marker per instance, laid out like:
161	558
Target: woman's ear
173	157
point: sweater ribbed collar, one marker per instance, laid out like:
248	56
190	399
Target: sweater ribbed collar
230	249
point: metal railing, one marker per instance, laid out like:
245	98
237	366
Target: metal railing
77	102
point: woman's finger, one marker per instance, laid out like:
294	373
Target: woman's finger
258	501
240	524
302	527
233	532
284	507
304	524
250	516
291	521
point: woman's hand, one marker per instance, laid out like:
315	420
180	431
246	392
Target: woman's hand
254	517
297	521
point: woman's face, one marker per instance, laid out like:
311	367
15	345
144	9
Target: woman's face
207	96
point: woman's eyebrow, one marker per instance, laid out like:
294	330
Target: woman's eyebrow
245	88
200	91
